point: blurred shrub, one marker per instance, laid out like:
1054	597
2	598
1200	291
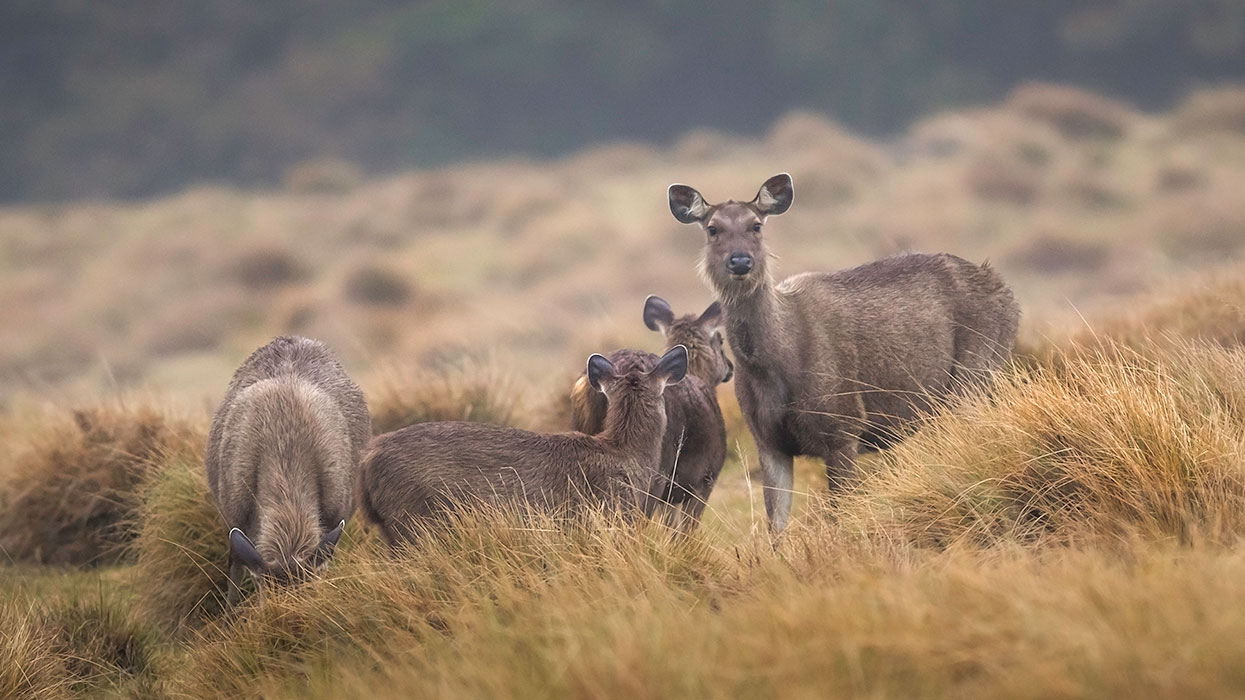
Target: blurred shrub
322	176
1212	110
379	286
1048	253
1005	180
265	267
1075	113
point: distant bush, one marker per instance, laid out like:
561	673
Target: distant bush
1221	109
1077	114
1052	254
71	493
1005	180
321	176
378	286
265	267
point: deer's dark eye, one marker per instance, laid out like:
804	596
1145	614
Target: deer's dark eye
712	230
756	228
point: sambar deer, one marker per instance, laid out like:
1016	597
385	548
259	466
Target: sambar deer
283	460
829	361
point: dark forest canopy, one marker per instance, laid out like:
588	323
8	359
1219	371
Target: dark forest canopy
130	99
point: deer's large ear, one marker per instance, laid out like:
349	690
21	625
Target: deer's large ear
599	370
711	319
324	551
775	195
673	365
245	551
686	204
657	314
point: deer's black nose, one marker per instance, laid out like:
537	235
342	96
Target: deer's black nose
739	264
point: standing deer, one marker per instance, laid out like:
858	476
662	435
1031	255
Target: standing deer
283	460
694	446
421	472
829	362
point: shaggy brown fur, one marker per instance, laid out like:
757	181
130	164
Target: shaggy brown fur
422	471
694	446
828	362
283	454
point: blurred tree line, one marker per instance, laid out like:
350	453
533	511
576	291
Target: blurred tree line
129	99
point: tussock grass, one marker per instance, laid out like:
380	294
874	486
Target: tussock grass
180	552
70	492
1101	443
969	625
484	394
31	668
1211	309
488	568
74	647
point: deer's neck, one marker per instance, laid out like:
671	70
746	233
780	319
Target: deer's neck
636	425
754	323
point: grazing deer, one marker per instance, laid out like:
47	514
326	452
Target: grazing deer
694	447
829	362
422	471
283	460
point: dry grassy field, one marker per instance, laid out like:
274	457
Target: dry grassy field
1074	531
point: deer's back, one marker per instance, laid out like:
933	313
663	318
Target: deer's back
426	468
874	346
291	399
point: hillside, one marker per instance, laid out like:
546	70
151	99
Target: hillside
1080	201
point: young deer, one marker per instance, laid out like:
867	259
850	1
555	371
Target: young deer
422	471
829	362
283	459
694	447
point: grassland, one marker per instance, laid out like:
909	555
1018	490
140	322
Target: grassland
1074	532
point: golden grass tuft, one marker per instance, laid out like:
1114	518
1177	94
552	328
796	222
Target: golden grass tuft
31	668
1211	309
488	569
180	573
70	493
75	647
402	396
1104	442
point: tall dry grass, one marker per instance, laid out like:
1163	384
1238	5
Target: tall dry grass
69	492
1107	443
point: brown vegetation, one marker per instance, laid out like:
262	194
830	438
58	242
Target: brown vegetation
70	493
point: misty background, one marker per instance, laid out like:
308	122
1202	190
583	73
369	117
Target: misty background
122	100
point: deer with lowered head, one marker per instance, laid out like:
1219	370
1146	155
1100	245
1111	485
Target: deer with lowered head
694	446
419	474
283	460
829	362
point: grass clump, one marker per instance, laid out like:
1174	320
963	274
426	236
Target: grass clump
70	495
180	552
31	668
1075	114
74	647
1102	443
403	397
486	569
